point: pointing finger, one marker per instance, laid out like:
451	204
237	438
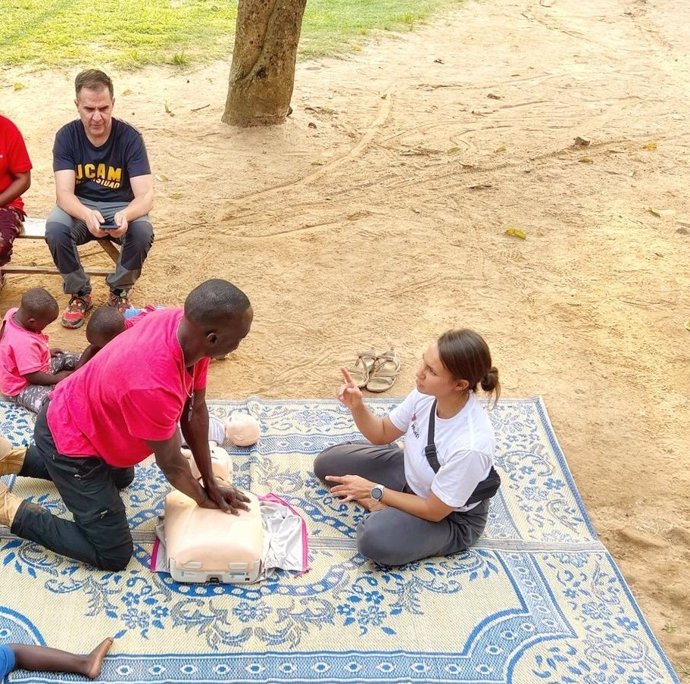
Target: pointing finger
347	376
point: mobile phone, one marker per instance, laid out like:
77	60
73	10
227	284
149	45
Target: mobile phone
109	226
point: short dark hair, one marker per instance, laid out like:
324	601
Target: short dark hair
106	322
38	303
213	302
467	357
93	79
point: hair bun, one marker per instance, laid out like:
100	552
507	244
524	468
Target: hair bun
490	380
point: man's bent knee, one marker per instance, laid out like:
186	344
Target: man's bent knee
114	560
141	233
113	552
57	233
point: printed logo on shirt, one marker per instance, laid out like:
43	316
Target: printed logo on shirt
414	426
103	174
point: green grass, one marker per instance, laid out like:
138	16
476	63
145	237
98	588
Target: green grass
136	33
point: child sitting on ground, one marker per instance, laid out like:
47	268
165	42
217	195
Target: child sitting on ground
28	366
44	659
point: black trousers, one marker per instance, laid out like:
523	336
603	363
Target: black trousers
100	533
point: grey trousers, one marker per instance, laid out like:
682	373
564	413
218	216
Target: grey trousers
64	233
391	536
33	396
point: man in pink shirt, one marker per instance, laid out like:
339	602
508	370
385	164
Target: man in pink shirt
117	409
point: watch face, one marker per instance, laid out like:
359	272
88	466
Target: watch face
377	493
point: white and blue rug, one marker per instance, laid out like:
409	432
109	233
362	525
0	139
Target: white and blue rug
538	600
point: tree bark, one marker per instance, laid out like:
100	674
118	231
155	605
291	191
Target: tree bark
262	75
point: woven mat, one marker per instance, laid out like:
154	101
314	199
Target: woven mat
538	600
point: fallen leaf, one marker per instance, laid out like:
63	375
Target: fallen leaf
650	147
586	160
580	142
317	163
19	86
126	91
481	186
175	195
161	177
653	212
516	232
438	61
491	96
687	324
502	148
453	150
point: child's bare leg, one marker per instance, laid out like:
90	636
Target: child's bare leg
45	659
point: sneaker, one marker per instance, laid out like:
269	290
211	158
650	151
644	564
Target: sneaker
119	301
75	313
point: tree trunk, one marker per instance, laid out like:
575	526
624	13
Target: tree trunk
262	74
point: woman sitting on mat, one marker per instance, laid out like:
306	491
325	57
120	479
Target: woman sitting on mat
422	507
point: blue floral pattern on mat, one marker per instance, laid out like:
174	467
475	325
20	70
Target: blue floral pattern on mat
538	600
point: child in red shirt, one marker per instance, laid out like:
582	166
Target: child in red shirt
28	366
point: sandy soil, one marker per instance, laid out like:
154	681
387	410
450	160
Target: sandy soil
376	216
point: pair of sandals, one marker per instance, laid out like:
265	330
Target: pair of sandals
375	372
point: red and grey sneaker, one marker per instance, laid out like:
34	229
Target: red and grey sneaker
119	301
75	313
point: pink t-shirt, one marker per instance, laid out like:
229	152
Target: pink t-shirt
21	352
131	392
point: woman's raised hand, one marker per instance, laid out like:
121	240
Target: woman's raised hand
348	393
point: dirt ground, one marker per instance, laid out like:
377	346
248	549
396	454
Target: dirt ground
376	216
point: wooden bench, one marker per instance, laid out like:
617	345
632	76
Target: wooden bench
35	229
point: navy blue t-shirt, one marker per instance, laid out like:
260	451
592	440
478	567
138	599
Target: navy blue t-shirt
102	173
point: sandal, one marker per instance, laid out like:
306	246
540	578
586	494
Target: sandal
361	371
385	372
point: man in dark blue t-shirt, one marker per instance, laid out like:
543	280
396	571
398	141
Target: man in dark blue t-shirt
104	189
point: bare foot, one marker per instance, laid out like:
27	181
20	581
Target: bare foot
94	661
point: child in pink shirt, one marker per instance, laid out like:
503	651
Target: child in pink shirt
28	366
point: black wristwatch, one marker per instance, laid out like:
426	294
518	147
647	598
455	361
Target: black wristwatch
377	492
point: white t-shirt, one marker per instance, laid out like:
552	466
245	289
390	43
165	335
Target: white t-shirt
465	447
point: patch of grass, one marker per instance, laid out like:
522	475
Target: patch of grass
125	33
330	25
136	33
179	59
